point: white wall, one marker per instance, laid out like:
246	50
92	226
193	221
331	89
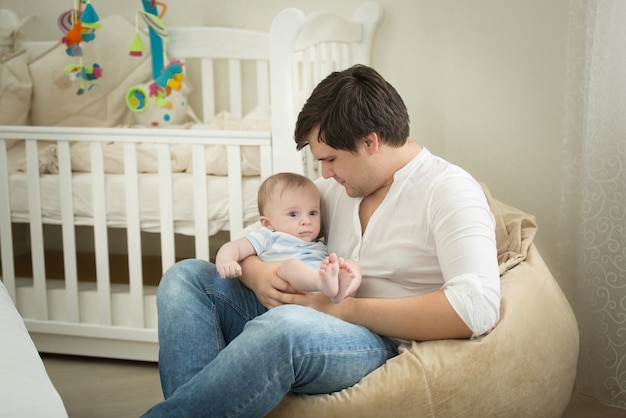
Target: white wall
483	79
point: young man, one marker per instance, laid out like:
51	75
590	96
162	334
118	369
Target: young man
419	227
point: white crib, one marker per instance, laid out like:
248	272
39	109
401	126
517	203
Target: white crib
86	307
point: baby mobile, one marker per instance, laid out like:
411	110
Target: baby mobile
166	77
79	25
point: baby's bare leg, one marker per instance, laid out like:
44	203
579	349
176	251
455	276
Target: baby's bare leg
301	276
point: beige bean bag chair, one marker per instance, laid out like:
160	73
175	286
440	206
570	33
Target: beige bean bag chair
524	367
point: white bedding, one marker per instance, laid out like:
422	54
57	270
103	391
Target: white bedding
25	388
180	158
183	206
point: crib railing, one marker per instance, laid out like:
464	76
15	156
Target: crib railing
89	323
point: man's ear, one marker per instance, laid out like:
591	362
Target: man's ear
371	142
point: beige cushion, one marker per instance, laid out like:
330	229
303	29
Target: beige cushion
525	367
15	88
216	163
16	85
55	102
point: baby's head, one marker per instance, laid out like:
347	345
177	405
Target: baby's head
290	203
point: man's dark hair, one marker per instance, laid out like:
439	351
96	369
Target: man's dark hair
348	105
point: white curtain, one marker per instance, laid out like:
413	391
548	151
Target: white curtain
592	245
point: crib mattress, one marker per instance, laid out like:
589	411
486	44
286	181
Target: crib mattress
149	207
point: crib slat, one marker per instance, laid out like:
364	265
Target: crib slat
307	73
263	82
235	90
266	161
328	59
67	227
207	78
6	230
235	191
166	200
308	80
133	235
100	234
346	56
201	217
36	230
320	65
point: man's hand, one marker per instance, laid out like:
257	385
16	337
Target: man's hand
318	301
262	278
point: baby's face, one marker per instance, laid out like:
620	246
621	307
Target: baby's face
295	212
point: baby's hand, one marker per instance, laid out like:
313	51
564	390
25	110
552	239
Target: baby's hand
229	269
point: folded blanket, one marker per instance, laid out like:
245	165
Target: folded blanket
515	231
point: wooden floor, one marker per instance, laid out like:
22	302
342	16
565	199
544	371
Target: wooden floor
101	388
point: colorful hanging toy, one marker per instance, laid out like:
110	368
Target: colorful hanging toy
79	25
165	77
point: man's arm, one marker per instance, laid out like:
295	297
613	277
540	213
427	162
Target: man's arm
420	318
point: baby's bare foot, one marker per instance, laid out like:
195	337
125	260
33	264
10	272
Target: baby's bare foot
349	281
345	269
329	275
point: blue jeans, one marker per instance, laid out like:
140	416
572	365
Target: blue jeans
222	354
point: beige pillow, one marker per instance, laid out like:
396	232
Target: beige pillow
16	85
15	88
55	101
113	154
215	155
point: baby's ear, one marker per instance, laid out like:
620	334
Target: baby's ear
265	222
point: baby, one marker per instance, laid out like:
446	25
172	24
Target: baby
289	205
